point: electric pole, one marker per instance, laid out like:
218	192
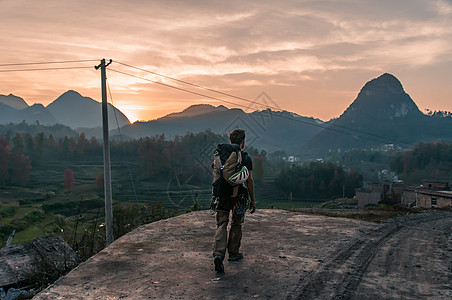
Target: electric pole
107	168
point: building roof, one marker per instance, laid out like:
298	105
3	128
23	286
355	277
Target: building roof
446	194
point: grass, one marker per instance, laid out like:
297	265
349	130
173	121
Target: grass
19	213
32	232
374	214
22	209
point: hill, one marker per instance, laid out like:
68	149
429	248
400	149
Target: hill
13	101
76	111
196	110
382	113
30	114
266	129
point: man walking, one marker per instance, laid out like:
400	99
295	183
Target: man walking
228	204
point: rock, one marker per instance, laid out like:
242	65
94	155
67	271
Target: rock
14	294
2	294
23	262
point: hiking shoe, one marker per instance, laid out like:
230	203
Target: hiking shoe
235	257
218	262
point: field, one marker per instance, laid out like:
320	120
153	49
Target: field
47	208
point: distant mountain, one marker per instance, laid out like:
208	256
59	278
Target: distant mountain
76	111
195	110
57	131
267	129
382	98
382	113
13	101
8	114
70	109
37	112
30	114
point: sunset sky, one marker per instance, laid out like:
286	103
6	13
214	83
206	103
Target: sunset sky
309	57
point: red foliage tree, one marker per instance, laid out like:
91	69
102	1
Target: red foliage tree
100	181
68	179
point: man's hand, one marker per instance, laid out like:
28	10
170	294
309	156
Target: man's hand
252	207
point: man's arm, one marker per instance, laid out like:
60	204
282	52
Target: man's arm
250	185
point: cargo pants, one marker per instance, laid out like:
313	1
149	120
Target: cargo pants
221	240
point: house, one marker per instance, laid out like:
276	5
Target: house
374	194
432	193
367	197
409	197
429	198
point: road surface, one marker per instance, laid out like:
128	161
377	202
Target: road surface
288	255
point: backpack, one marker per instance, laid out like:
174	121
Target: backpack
228	171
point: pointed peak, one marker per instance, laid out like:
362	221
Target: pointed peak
71	96
382	97
387	82
71	93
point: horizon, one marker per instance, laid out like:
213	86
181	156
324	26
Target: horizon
310	58
249	110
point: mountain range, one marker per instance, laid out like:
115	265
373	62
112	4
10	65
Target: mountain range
266	129
70	109
382	113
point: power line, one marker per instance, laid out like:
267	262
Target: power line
48	62
192	84
382	139
122	143
250	101
44	69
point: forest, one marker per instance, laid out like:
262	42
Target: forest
319	180
424	161
51	178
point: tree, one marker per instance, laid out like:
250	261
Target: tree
82	144
18	144
39	144
100	181
5	153
20	166
318	180
258	168
28	144
68	179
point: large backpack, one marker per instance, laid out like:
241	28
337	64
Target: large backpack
228	171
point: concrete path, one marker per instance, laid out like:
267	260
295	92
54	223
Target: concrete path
287	255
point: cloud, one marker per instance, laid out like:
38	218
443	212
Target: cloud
240	46
443	7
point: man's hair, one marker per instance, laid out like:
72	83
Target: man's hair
237	136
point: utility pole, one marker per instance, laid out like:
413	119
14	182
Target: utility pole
107	168
290	199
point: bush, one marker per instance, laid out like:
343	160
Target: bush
30	201
8	211
34	216
70	208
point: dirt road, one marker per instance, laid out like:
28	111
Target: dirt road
408	257
287	255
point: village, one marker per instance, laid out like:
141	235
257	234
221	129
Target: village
429	194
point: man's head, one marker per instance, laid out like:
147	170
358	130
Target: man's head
237	136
